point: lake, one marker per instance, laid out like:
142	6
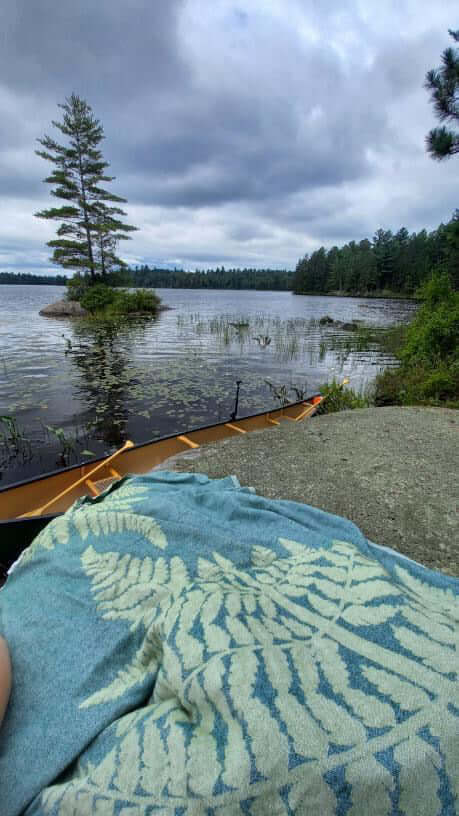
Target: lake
72	389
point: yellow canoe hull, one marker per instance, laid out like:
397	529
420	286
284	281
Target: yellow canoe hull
30	497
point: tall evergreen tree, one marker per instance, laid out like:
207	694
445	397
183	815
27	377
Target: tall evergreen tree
299	277
90	229
384	249
444	85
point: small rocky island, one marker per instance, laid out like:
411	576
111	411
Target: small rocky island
64	308
72	308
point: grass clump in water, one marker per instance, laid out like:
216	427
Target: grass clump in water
12	435
340	398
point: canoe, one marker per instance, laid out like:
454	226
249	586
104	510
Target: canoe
27	507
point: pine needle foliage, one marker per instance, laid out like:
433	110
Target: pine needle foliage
90	216
443	83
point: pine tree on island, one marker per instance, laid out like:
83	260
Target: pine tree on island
90	226
90	218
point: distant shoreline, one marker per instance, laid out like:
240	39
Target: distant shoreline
382	295
52	282
367	295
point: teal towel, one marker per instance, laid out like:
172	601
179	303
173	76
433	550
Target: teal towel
184	646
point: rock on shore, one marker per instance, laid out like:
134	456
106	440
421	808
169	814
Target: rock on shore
392	471
71	308
64	308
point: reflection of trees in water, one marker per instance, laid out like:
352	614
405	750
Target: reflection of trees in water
101	354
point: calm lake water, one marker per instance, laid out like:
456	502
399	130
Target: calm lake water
72	387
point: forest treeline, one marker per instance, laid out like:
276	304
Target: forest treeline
391	263
219	278
152	277
29	277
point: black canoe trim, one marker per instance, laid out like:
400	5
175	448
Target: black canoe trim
16	535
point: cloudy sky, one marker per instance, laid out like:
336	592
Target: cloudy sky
242	133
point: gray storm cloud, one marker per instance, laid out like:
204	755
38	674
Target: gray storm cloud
239	132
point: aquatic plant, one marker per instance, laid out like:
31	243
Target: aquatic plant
299	391
68	444
280	392
13	436
287	347
241	325
263	340
286	393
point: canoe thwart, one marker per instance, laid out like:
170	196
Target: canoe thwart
83	480
309	410
234	427
188	441
93	479
92	487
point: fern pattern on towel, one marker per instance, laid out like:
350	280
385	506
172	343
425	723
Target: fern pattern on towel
245	656
272	685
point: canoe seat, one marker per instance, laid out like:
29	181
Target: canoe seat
103	484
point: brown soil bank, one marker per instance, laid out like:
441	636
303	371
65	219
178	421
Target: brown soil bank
393	471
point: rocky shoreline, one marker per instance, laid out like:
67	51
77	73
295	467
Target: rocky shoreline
63	308
392	471
71	308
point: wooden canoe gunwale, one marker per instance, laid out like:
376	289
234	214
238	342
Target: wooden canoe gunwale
13	501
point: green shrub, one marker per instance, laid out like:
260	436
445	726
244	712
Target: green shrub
97	297
340	398
442	384
141	301
429	354
437	289
433	336
400	386
394	338
418	384
103	301
77	287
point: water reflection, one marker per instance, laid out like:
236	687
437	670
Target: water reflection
100	384
102	354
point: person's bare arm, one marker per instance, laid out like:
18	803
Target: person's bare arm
5	677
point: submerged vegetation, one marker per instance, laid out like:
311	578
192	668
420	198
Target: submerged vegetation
68	444
10	433
14	444
126	379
